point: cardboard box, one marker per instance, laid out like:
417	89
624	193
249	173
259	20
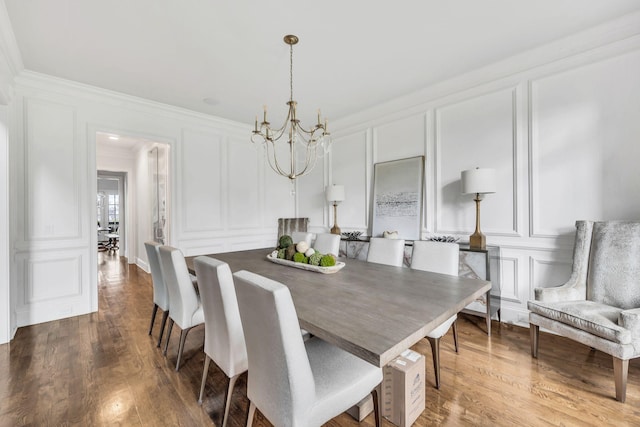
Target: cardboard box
362	408
403	389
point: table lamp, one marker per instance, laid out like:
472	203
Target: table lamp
479	182
335	195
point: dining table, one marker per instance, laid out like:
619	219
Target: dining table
373	311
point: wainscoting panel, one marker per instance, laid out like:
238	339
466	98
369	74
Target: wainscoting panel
51	172
549	269
350	165
584	131
509	278
201	181
477	132
56	285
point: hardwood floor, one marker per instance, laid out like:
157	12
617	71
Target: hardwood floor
103	369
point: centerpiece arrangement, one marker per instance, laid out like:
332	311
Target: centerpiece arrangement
300	255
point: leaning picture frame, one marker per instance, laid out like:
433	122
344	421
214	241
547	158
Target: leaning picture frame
398	188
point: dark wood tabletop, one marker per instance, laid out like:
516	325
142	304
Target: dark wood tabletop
371	310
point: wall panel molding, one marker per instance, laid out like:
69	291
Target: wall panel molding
481	148
52	172
509	280
243	213
548	272
55	284
204	152
351	164
582	134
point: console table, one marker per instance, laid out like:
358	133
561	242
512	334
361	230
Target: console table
474	263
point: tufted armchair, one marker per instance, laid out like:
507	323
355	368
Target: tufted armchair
600	304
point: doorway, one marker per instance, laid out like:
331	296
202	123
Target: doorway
143	166
110	204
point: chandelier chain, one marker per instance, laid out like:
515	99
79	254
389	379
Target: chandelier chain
291	72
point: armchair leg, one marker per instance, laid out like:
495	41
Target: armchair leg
534	330
620	371
435	349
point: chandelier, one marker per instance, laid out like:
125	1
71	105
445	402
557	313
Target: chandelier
312	143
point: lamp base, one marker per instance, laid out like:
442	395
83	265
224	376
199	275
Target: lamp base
335	229
477	241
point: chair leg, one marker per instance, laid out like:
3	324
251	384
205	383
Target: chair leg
455	335
252	411
166	345
620	371
165	315
435	349
153	317
207	361
227	399
183	338
534	331
376	406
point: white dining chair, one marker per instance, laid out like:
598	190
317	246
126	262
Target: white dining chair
327	243
160	295
299	236
186	310
386	251
223	335
294	382
438	257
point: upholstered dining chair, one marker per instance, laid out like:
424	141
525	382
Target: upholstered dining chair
438	257
186	309
160	295
223	335
289	225
599	305
299	236
327	243
386	251
294	382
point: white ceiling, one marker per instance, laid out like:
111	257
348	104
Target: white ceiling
352	54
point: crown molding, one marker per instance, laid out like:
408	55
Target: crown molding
28	79
605	40
10	59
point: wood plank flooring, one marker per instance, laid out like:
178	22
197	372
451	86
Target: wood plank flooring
103	369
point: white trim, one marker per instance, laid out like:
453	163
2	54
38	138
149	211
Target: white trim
5	293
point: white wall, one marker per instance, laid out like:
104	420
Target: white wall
560	124
222	197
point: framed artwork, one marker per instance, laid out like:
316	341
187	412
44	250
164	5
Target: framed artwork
397	197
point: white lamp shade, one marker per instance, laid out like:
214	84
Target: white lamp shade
478	181
335	193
